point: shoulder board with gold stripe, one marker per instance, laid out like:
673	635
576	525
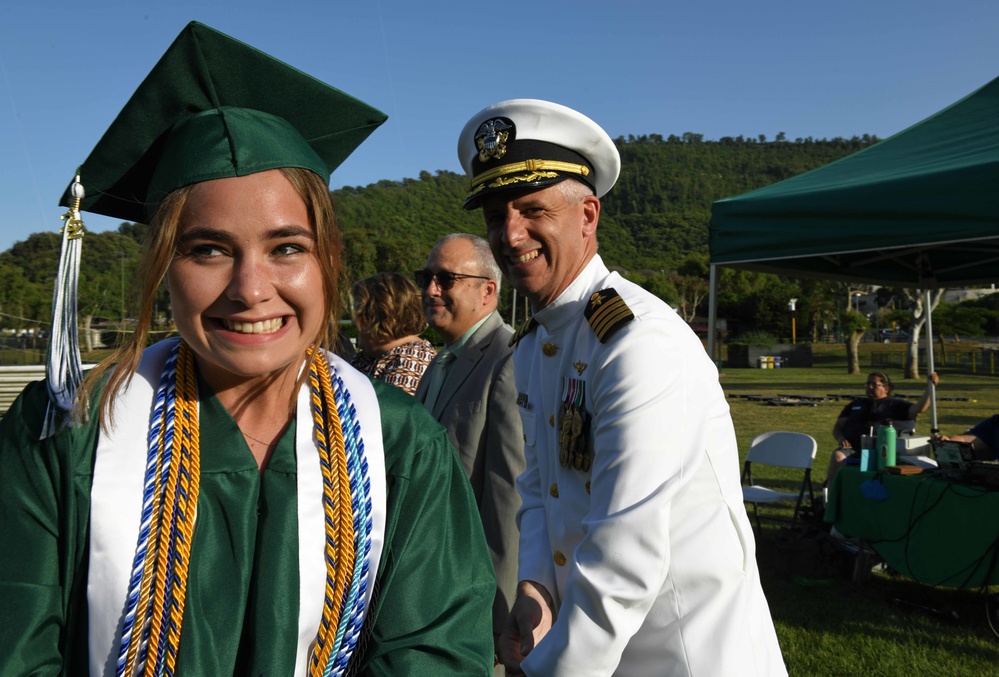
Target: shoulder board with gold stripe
607	312
523	330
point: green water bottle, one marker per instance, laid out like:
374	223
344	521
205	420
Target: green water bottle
887	439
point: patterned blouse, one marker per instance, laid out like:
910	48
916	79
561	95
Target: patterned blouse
403	366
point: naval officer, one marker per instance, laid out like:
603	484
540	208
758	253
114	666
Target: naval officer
636	554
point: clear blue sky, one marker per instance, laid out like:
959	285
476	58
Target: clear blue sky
717	68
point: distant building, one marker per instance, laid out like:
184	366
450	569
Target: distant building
958	295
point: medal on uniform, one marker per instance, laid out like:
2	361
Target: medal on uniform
573	426
580	461
564	434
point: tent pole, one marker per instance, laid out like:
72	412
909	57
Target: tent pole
929	363
712	310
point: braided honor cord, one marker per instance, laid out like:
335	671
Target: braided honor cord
347	506
158	586
154	607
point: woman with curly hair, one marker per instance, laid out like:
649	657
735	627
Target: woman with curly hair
388	314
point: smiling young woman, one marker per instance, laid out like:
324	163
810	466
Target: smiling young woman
237	499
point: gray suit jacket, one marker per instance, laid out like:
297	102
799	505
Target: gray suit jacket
478	406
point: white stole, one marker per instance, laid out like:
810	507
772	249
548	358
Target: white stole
116	505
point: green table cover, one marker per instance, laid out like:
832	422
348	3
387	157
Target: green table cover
930	529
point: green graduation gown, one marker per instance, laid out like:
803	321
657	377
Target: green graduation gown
431	614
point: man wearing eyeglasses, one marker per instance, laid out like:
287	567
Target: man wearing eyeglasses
636	553
865	415
469	389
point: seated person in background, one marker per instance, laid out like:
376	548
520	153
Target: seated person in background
388	314
863	414
983	438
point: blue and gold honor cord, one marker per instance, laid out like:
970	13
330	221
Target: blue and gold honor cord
154	609
157	589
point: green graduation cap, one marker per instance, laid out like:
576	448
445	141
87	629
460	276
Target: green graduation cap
211	108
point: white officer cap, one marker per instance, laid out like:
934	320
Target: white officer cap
529	143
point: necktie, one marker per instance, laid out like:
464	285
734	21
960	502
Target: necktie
442	365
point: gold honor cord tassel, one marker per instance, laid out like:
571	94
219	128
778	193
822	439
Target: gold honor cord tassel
321	652
334	435
183	473
162	551
340	553
142	605
187	444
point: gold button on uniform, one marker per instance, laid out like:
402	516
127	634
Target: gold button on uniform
587	487
549	349
559	558
551	420
553	490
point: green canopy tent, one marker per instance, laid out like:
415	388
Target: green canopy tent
919	209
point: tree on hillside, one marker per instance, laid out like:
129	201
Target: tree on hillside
818	302
756	301
107	271
691	283
988	306
659	285
135	231
656	216
37	258
957	319
12	292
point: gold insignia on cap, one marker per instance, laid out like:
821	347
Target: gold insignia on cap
549	349
528	170
607	312
580	367
505	181
491	138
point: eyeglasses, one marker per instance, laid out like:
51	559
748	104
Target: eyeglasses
877	383
445	278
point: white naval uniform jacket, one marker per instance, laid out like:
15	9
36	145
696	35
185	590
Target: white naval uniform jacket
649	556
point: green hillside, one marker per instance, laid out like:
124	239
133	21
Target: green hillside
656	214
654	224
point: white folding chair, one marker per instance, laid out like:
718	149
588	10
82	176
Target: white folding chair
785	450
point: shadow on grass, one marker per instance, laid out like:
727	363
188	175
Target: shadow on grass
885	625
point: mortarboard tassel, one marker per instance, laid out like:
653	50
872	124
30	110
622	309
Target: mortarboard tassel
63	365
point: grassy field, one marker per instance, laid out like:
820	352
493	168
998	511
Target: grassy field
887	625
